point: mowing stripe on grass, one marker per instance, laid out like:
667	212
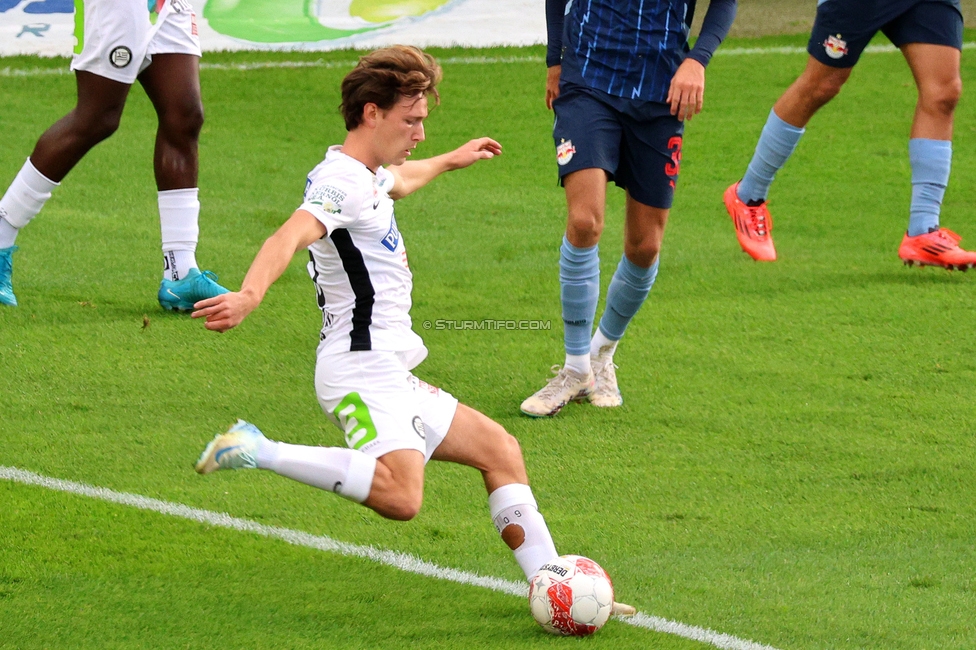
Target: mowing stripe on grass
460	60
395	559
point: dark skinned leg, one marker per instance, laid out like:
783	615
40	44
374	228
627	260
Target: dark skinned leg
95	117
172	82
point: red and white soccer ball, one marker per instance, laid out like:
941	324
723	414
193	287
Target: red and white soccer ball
571	595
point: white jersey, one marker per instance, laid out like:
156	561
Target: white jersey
360	267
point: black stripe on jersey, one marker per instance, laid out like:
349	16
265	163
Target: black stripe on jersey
319	296
355	268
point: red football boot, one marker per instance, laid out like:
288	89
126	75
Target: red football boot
937	248
753	225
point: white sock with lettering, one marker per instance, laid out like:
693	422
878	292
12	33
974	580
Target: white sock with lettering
347	472
522	527
179	215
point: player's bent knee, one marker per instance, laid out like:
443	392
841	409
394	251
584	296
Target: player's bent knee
584	226
397	492
182	123
95	127
942	100
507	452
827	89
400	507
644	254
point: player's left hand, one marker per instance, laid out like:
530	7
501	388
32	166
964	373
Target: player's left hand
473	151
687	90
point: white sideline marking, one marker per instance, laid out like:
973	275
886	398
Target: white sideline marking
461	60
395	559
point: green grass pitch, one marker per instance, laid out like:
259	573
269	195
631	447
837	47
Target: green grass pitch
794	463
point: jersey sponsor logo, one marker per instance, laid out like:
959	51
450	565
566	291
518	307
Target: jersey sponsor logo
418	426
356	421
835	47
564	152
392	238
328	197
120	57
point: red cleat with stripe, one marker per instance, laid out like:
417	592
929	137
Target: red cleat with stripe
937	248
753	226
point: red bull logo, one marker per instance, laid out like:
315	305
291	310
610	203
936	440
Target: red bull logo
836	47
564	152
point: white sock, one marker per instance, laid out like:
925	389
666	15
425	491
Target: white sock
347	472
522	527
599	342
8	234
179	215
26	196
177	264
579	363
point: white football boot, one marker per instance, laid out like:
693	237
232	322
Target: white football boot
236	449
605	394
567	386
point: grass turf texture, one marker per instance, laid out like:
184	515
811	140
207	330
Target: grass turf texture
793	463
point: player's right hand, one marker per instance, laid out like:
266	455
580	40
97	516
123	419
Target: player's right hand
552	84
224	311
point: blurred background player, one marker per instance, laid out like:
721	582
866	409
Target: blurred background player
621	82
119	45
393	422
929	34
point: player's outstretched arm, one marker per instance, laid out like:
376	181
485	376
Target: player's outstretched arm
228	310
414	174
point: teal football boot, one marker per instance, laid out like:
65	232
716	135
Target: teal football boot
7	296
180	295
236	449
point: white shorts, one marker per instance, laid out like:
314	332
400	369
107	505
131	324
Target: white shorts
379	405
119	40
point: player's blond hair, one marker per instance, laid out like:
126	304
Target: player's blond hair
384	77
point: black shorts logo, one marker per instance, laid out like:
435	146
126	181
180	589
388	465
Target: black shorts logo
120	57
418	426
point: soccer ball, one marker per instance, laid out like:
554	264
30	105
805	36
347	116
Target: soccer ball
571	595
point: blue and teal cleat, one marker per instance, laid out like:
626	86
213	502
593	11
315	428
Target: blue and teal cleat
7	296
180	295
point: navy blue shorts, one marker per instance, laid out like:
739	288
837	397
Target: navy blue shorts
638	143
845	27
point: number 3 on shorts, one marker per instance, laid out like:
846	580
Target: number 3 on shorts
356	421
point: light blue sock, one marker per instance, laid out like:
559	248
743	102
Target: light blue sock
775	146
579	290
931	161
628	290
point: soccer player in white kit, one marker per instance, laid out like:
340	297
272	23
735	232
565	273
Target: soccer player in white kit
120	43
393	422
